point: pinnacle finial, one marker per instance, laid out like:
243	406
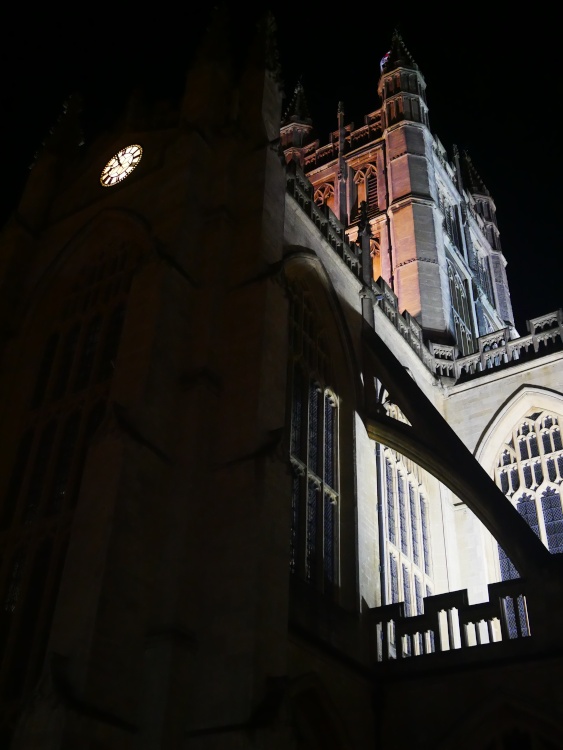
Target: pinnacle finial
398	56
298	109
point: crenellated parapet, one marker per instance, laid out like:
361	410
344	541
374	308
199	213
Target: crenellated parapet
451	627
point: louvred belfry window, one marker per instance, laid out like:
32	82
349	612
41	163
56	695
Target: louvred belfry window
313	453
365	181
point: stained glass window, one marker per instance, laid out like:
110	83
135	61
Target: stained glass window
391	529
64	410
553	519
414	526
313	453
425	536
404	531
407	542
539	459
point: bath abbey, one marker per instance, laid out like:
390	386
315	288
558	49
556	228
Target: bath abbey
277	468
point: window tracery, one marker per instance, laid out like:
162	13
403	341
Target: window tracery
407	534
65	407
461	316
530	473
313	453
324	195
365	181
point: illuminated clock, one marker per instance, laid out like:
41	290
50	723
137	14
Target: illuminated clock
121	165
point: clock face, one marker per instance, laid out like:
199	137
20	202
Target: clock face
121	165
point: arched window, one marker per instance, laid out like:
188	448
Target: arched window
314	452
407	536
461	317
534	453
76	328
365	180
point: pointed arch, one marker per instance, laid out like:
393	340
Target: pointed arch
502	721
323	391
66	341
324	195
315	716
433	444
112	234
522	449
514	409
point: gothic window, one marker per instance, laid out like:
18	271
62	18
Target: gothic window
425	535
535	481
402	515
365	181
45	370
461	317
66	403
503	481
88	352
553	519
407	538
407	590
451	222
415	533
39	467
313	453
394	578
324	195
484	278
390	493
418	595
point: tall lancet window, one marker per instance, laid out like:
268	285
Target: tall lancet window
529	470
407	535
313	453
69	349
365	181
461	316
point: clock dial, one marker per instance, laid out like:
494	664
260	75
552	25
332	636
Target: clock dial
121	165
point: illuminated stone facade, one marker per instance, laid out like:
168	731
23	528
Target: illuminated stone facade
257	395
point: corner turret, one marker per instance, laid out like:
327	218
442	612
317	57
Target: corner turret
401	86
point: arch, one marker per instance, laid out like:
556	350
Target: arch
505	722
67	336
513	410
433	444
315	716
322	399
324	195
111	229
304	267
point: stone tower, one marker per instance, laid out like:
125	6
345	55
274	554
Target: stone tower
248	379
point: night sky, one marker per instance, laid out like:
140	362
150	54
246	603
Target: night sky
493	89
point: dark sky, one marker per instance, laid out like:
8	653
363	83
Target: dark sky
493	88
